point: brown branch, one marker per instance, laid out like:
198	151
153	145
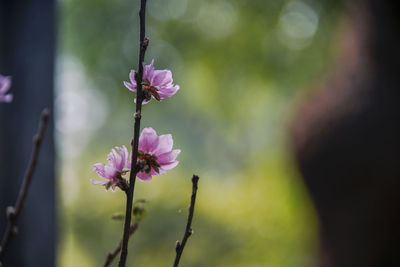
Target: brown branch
188	231
115	252
143	43
13	211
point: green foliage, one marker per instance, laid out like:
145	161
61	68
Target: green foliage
119	216
138	210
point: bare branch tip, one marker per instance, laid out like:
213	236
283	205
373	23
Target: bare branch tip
146	42
177	245
45	113
195	178
35	139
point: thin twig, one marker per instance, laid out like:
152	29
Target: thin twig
143	43
13	211
115	252
188	231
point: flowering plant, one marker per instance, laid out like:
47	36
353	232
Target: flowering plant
156	83
151	154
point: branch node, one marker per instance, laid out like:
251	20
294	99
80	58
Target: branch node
123	184
177	245
137	115
145	42
10	211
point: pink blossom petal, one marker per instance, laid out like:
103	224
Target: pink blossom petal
168	92
160	171
168	157
144	176
148	140
167	78
165	144
8	98
132	77
122	159
95	182
130	86
109	172
148	71
99	169
111	157
5	83
116	161
143	102
159	77
129	161
123	151
169	166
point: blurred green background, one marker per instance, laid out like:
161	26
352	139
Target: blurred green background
241	66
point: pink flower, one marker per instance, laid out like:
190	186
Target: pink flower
156	83
117	165
156	154
5	83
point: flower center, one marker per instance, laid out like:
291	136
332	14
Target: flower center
149	90
150	162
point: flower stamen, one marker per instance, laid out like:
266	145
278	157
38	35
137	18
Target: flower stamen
150	162
149	91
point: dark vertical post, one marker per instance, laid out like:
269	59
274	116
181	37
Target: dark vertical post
27	46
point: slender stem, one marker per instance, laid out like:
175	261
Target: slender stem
13	211
115	252
188	231
143	43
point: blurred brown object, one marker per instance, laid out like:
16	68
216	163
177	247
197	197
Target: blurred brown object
346	139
